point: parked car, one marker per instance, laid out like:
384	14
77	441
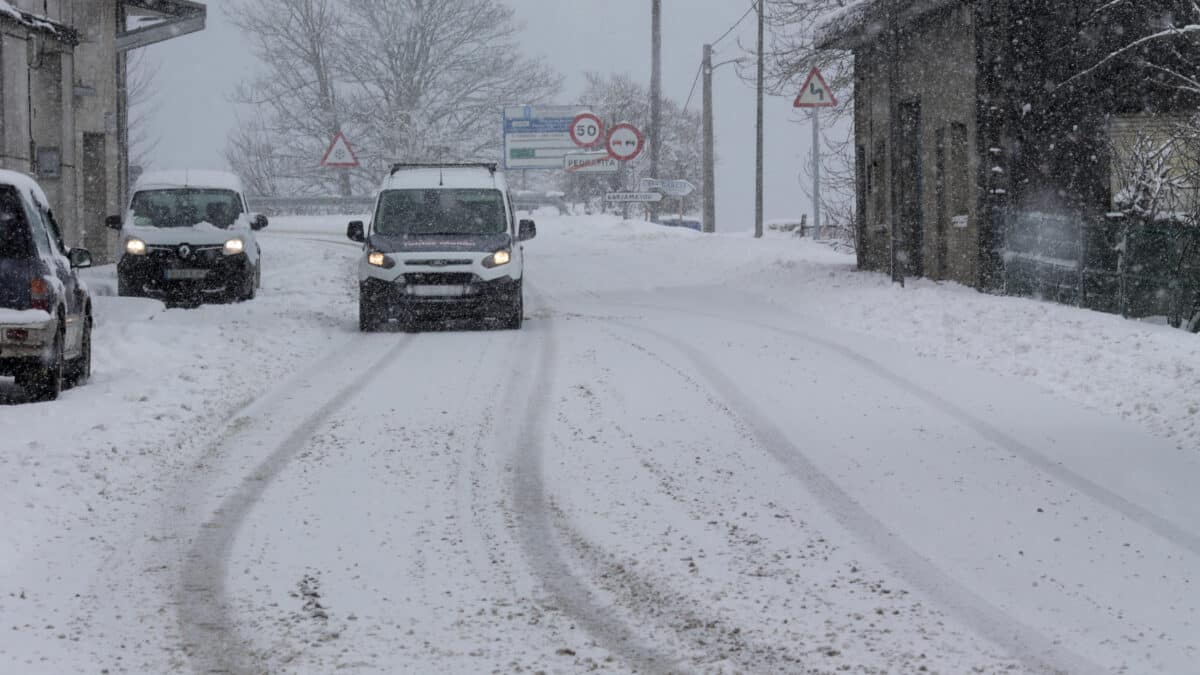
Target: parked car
443	243
45	308
189	236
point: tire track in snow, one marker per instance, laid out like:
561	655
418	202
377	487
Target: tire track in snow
1023	642
205	613
537	531
1136	513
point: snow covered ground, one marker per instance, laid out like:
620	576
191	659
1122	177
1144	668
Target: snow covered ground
703	454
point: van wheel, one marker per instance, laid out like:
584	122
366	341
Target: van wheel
44	382
125	288
515	316
369	316
80	370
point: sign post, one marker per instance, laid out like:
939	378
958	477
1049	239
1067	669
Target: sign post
341	156
815	95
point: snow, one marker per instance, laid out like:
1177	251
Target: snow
703	454
466	177
23	317
213	180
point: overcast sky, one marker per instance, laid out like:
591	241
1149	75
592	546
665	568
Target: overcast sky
199	72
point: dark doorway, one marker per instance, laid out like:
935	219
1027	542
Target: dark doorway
909	174
943	209
95	191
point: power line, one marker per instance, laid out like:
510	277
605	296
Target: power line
753	6
693	91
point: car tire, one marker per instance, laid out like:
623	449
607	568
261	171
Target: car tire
252	283
80	370
44	382
369	319
514	317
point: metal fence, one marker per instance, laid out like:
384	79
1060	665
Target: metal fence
1109	264
311	206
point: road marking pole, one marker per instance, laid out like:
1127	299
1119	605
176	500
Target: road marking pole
816	150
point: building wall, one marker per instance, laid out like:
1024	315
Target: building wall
937	71
54	96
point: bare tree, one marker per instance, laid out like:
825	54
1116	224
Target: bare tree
427	78
141	78
406	80
296	42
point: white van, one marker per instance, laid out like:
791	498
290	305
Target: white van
443	244
189	236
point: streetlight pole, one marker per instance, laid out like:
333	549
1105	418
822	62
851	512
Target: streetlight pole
758	196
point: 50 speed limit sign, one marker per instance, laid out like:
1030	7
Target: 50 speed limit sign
587	130
625	142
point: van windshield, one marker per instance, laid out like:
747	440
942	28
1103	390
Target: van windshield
441	212
186	207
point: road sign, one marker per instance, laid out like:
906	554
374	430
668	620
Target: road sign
816	93
628	197
671	188
340	155
626	142
591	162
587	130
539	137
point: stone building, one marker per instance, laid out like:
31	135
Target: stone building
966	109
62	98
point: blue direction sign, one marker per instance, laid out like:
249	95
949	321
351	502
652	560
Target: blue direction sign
539	137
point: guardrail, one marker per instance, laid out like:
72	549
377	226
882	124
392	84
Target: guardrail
311	206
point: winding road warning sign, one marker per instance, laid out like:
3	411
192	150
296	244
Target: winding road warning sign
816	92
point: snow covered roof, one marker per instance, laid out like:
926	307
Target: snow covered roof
859	21
214	180
466	177
24	183
38	23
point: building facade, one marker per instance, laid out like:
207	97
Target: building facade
63	116
969	108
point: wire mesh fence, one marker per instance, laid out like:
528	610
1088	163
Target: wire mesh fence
1110	264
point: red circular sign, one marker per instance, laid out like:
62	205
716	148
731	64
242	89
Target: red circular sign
625	142
587	130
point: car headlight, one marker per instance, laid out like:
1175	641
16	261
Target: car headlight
379	259
234	247
135	247
498	259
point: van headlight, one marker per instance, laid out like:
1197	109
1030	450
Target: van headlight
380	259
498	259
234	247
135	247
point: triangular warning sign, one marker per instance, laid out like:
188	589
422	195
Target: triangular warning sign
340	155
816	93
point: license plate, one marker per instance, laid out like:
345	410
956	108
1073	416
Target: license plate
437	291
186	275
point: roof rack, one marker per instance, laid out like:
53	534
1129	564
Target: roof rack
493	167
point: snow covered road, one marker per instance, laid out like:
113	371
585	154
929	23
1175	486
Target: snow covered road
694	459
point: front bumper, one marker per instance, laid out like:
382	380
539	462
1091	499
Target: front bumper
22	345
401	298
153	274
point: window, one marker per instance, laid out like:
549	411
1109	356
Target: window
879	167
958	176
186	207
14	234
441	212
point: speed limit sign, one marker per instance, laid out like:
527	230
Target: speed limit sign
587	130
626	142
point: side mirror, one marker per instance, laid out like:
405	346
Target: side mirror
113	222
527	230
357	231
260	222
80	258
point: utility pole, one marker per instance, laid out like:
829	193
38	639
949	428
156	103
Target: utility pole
655	93
758	197
894	139
710	188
